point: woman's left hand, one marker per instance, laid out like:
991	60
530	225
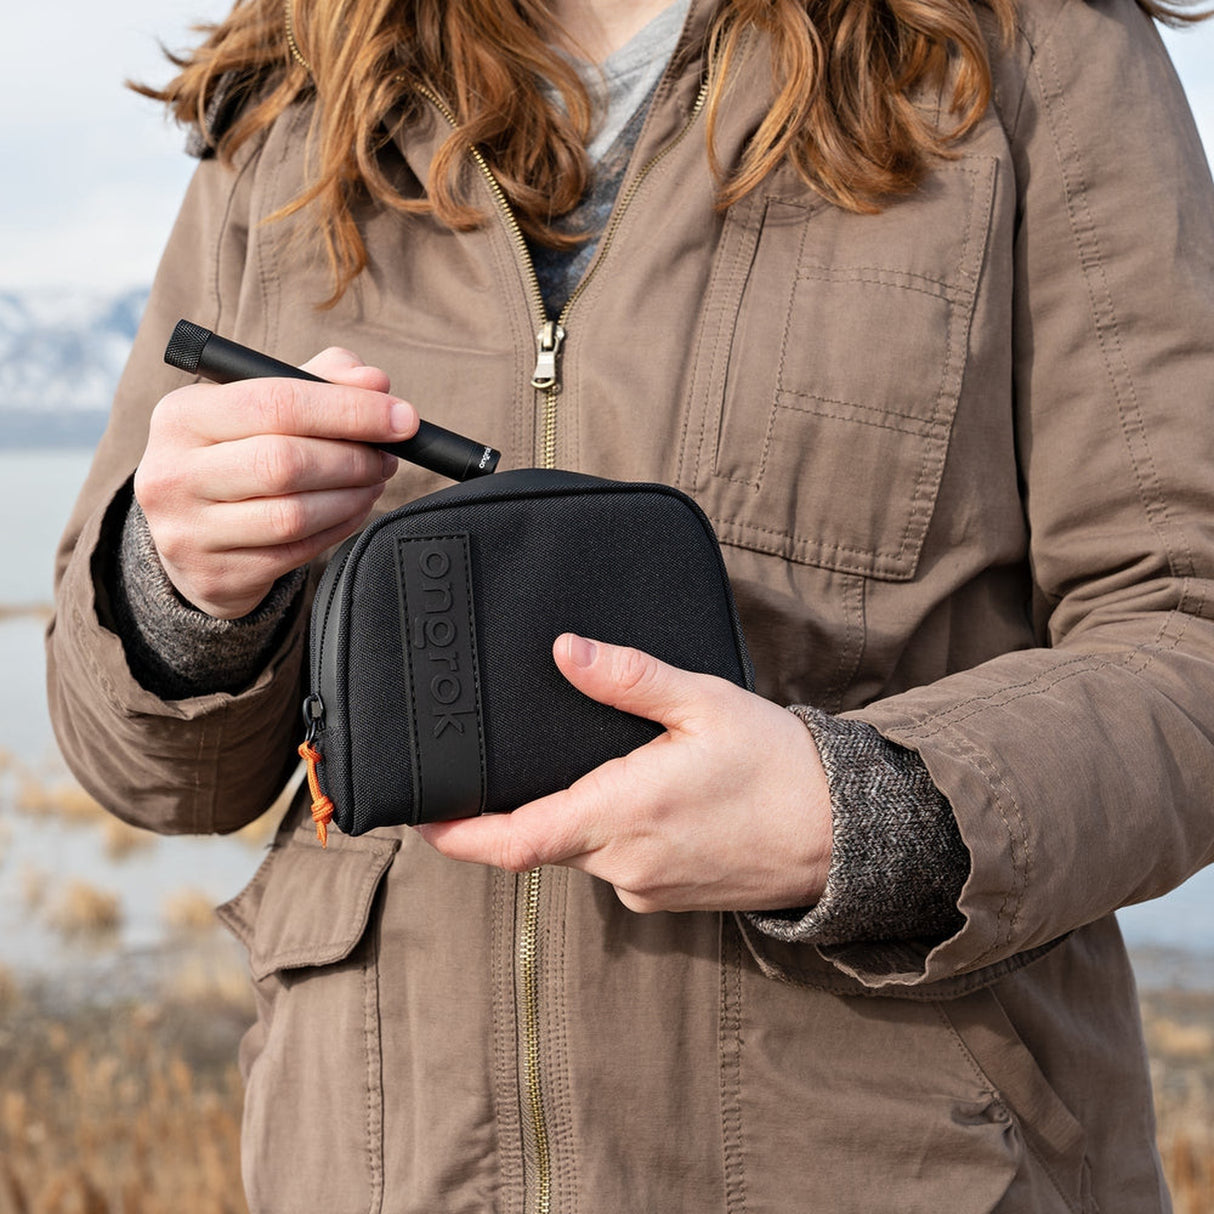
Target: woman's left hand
727	810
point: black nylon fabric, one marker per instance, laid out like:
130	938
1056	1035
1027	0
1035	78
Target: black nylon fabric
551	552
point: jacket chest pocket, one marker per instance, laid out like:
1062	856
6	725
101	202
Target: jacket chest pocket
833	350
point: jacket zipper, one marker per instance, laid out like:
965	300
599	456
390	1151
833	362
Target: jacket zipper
546	378
551	333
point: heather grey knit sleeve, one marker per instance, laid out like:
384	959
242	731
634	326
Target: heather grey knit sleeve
898	861
174	650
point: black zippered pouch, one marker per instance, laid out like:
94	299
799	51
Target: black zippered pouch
434	693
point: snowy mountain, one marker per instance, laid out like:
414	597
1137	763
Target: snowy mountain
61	353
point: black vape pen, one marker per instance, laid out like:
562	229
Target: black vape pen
201	352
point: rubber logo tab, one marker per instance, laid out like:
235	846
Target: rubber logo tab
439	640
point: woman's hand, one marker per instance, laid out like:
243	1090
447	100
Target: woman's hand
244	482
727	810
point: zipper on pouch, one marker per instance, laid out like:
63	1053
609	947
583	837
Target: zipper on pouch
324	685
550	334
324	659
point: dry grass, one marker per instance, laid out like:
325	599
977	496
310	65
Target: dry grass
189	912
35	887
10	991
1188	1160
122	840
60	797
85	913
1180	1038
63	799
130	1109
24	611
260	831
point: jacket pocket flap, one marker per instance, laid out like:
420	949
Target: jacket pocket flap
309	905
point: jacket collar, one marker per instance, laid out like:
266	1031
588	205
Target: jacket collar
673	102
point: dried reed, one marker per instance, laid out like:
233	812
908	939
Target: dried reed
24	611
190	912
84	912
127	1109
63	799
123	840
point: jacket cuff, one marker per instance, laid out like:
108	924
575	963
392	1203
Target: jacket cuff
174	650
898	863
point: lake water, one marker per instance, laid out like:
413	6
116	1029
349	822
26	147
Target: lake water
41	853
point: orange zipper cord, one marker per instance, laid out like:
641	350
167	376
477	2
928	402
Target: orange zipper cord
322	806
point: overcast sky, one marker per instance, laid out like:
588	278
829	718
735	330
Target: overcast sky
92	174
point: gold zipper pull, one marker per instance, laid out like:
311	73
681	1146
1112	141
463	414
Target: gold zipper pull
547	343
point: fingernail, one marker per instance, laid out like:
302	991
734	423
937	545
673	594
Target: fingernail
387	464
402	417
581	651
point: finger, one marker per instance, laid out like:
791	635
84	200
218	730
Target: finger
266	522
345	367
209	413
274	465
631	680
552	830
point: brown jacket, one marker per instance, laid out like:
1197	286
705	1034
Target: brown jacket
961	459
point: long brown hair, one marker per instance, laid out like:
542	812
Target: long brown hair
844	74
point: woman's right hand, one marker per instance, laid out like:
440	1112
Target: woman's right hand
244	482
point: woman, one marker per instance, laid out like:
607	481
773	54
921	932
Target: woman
915	299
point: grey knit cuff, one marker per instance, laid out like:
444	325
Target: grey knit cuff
174	650
898	861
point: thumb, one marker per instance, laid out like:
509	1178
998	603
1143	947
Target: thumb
627	679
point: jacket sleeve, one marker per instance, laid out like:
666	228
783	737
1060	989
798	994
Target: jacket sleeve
202	764
1082	772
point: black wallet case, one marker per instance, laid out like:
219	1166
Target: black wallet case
433	689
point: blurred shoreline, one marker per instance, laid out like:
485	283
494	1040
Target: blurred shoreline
1162	968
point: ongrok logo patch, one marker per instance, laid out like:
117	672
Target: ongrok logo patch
439	641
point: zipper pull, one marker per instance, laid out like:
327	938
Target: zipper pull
314	716
322	806
547	344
